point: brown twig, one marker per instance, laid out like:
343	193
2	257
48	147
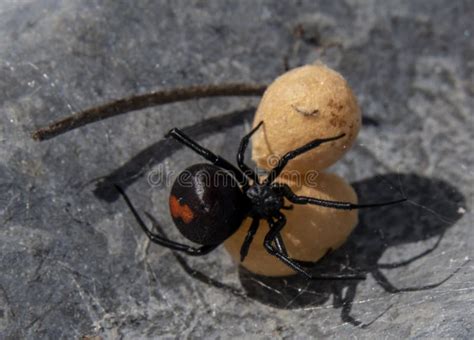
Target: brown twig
139	102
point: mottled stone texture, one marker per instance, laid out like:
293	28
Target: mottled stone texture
73	262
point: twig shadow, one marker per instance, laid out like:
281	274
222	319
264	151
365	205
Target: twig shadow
137	167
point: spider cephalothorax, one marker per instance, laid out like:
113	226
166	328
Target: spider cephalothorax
265	200
208	202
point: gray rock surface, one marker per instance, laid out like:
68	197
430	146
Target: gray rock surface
74	263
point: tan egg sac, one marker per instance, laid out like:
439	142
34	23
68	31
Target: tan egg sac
304	104
310	231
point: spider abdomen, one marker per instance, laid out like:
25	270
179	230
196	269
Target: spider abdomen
206	204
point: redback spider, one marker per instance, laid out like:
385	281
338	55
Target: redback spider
208	203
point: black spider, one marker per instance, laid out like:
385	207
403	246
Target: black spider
208	203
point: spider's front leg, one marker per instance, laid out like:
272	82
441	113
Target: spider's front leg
181	137
241	153
276	171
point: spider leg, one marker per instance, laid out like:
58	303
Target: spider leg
281	248
292	197
181	137
292	154
240	155
244	250
163	241
280	245
275	228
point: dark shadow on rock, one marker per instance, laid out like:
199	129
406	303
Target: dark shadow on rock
378	229
136	167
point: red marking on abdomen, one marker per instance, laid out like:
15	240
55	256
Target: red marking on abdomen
178	210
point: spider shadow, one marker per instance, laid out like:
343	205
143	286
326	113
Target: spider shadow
378	229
